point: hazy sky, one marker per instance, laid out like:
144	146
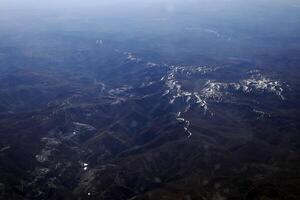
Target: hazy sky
127	4
15	13
168	20
101	7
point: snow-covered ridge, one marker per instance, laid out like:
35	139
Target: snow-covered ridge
209	91
216	91
261	83
175	90
185	122
257	83
188	70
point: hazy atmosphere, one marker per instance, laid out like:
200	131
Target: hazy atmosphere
150	99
